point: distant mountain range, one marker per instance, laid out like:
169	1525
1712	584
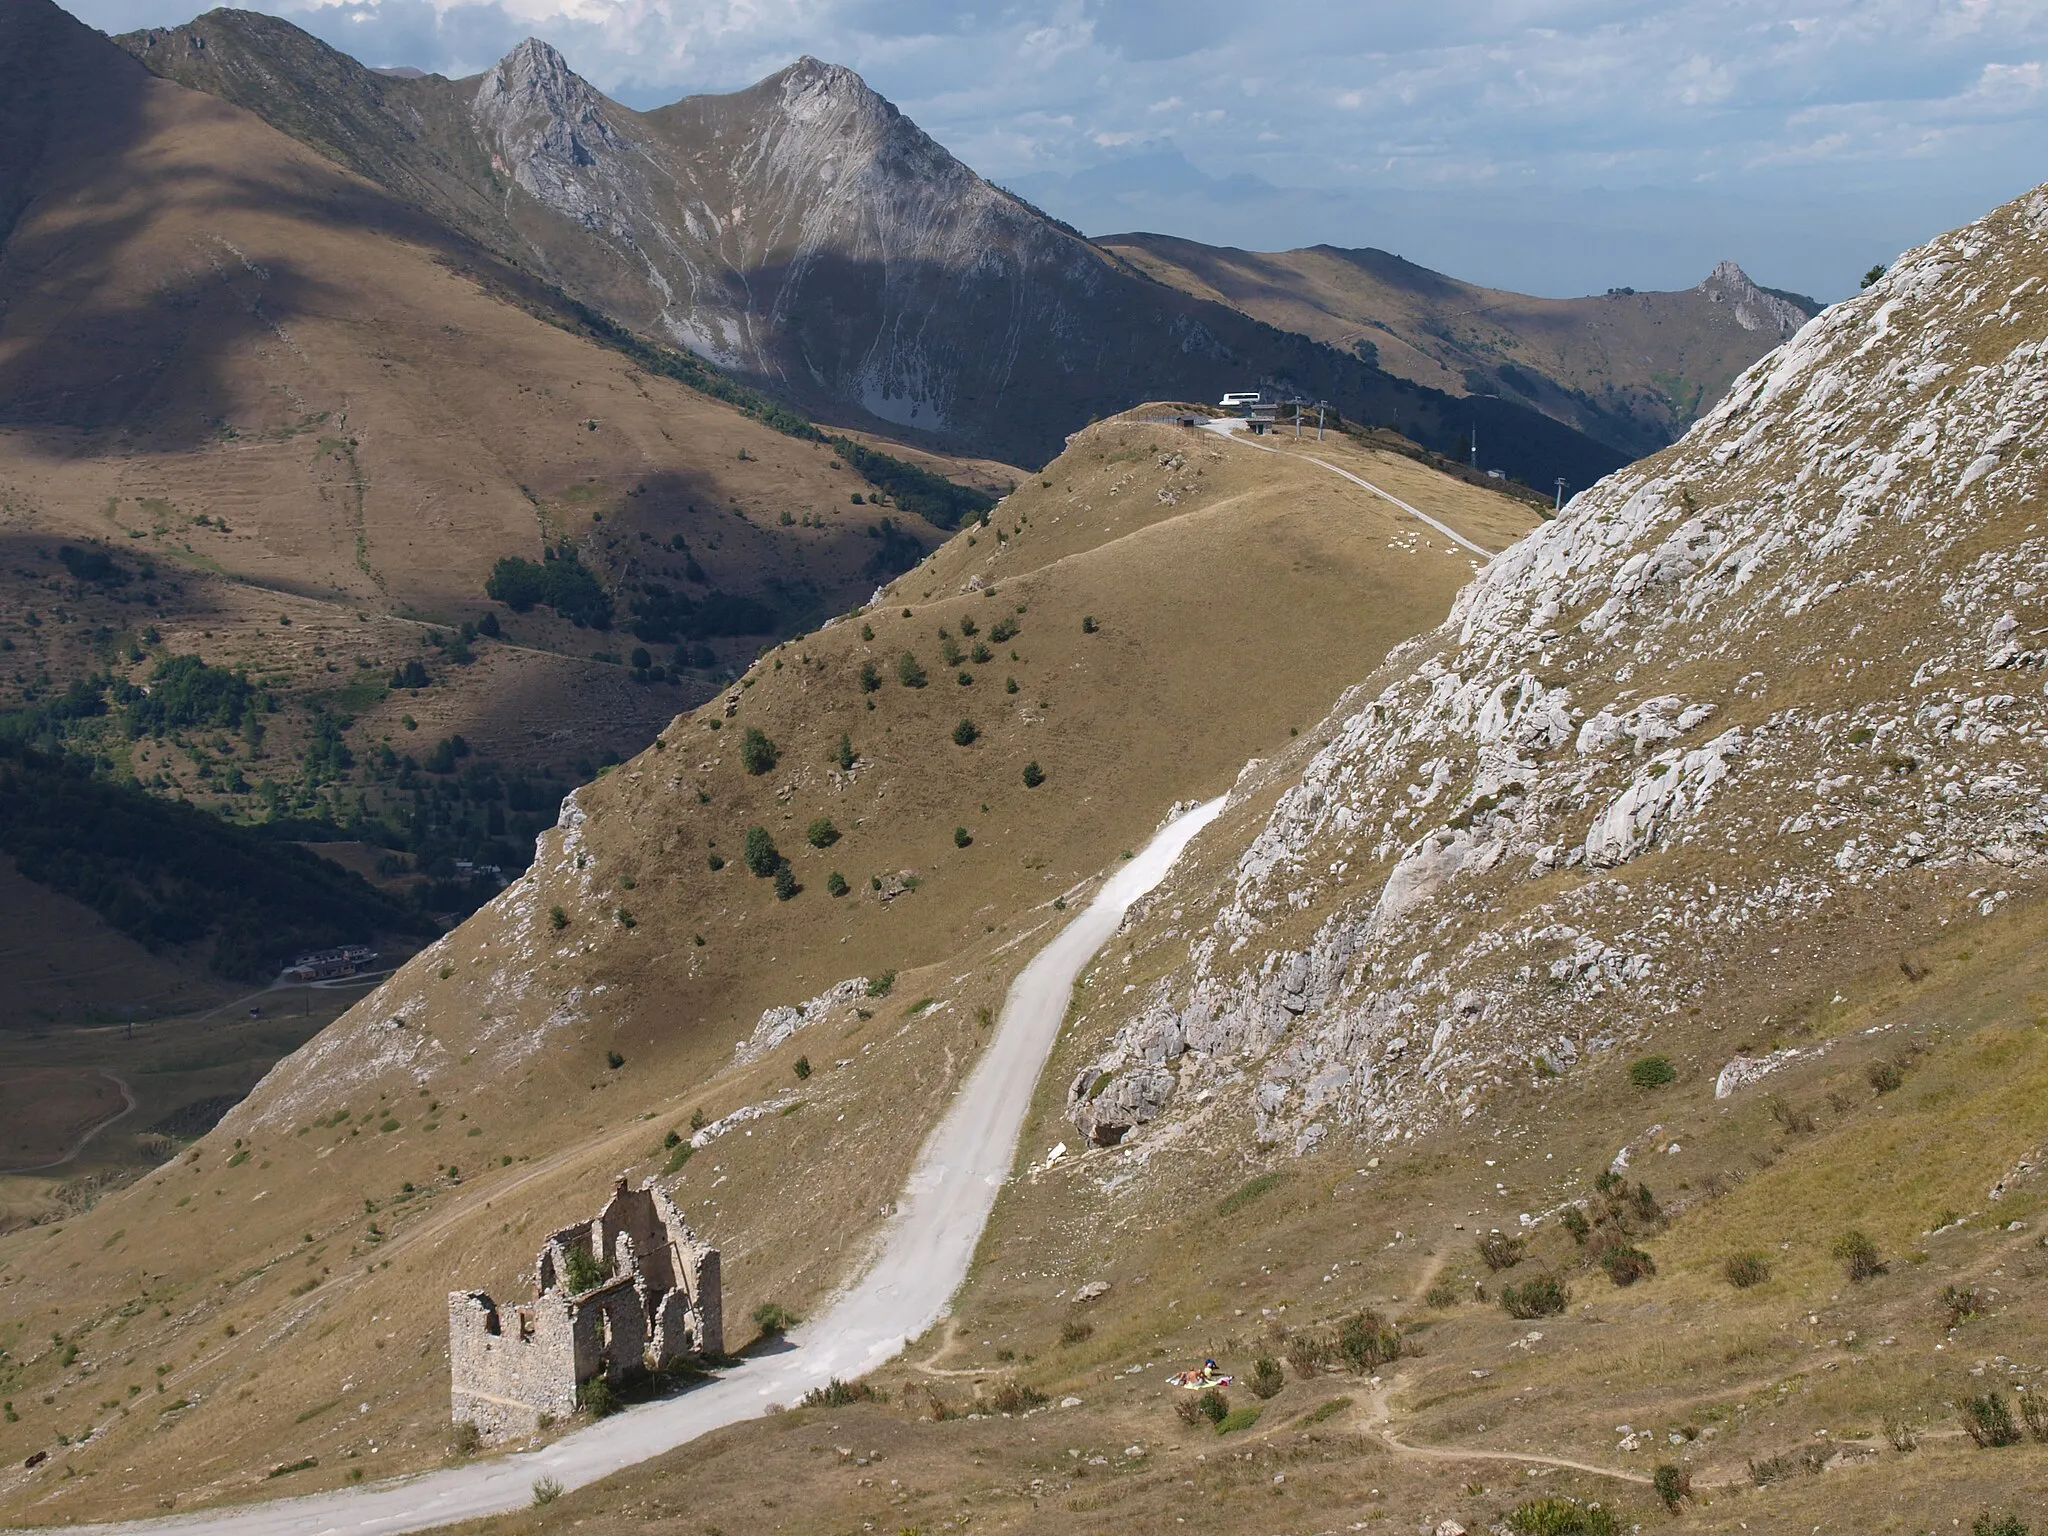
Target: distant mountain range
1630	369
808	238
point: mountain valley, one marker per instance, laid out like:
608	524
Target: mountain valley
714	592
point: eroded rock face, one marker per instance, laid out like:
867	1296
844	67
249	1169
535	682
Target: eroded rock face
1792	659
549	130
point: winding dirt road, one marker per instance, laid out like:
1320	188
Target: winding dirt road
1226	427
923	1254
129	1103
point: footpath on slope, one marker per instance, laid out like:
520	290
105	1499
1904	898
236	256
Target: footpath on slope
1226	428
922	1257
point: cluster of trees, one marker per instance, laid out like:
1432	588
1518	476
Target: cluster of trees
182	693
168	874
560	581
932	497
661	616
92	565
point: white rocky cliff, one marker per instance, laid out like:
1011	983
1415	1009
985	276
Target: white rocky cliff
1791	667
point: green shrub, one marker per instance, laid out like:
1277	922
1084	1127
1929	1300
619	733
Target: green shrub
1267	1378
843	754
545	1491
1989	1422
1573	1220
561	582
596	1398
678	1156
1772	1469
757	753
1368	1341
1652	1072
965	733
841	1394
2003	1525
762	856
786	886
1088	625
835	884
1561	1517
802	1068
1498	1251
1309	1353
614	1060
1238	1418
870	679
1958	1305
557	919
715	862
878	986
1625	1265
1014	1396
1033	774
1859	1256
908	672
1672	1484
2035	1411
1213	1405
581	1270
962	837
1540	1297
1074	1331
1885	1076
1743	1270
772	1318
821	833
1441	1296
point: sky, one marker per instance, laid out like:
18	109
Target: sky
1552	146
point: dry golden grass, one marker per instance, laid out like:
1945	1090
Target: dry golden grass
1805	1371
297	400
1224	617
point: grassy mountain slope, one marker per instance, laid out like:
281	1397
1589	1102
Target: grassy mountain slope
1631	369
807	236
1670	917
257	411
424	1139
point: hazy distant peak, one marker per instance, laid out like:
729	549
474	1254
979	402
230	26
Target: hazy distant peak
1755	308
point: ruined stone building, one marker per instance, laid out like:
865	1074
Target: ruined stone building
627	1291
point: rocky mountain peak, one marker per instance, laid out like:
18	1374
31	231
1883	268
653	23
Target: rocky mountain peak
812	89
534	84
1756	309
547	126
